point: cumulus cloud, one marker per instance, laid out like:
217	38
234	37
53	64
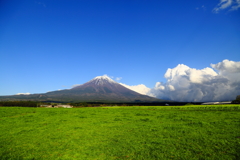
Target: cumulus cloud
229	69
219	83
23	93
224	4
141	88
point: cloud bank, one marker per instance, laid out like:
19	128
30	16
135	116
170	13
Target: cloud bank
219	83
23	93
224	4
141	88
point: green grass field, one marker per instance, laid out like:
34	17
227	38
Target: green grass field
139	133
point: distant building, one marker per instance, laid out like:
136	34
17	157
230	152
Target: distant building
209	103
46	106
56	106
63	106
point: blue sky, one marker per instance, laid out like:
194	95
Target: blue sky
47	45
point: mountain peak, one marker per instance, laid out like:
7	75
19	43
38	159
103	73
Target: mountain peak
99	89
103	77
100	80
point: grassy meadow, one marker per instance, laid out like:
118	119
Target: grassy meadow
138	133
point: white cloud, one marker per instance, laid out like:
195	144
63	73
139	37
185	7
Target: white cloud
75	85
228	69
220	82
141	88
118	78
190	84
227	66
236	6
224	4
23	93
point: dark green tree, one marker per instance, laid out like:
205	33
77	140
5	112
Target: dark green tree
237	100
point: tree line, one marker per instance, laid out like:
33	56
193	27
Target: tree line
99	104
19	103
237	100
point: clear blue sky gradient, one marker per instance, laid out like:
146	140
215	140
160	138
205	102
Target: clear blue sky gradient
47	45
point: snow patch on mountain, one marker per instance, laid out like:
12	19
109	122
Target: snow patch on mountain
100	80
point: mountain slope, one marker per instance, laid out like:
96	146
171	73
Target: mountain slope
99	89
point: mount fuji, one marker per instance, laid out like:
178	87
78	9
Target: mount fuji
99	89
